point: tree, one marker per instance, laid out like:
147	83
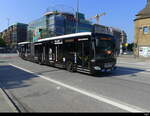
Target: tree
2	42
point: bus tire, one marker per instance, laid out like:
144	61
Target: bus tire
40	63
94	72
69	67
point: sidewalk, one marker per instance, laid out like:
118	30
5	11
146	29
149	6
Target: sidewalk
13	55
132	57
5	106
132	60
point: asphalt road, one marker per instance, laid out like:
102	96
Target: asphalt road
37	88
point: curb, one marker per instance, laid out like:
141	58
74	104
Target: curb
8	101
12	102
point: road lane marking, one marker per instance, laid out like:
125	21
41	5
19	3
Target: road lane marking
116	103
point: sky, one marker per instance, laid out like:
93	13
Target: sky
119	13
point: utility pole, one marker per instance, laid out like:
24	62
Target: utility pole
77	17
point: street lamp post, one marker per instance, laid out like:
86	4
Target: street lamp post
77	16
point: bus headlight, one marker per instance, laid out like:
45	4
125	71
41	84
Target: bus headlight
97	68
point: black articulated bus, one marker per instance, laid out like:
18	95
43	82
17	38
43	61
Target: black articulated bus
84	52
24	50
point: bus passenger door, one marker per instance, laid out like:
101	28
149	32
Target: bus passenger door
79	54
52	53
83	53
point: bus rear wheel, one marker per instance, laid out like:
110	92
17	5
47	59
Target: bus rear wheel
40	62
69	67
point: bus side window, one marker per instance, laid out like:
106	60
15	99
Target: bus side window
86	48
50	54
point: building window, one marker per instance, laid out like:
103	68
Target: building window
140	28
146	30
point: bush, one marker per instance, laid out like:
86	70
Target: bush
2	42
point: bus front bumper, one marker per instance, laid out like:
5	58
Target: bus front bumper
99	69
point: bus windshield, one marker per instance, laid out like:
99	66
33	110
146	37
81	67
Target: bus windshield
103	45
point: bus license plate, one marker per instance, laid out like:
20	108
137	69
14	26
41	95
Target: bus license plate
108	65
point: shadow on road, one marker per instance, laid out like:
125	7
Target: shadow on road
11	77
121	71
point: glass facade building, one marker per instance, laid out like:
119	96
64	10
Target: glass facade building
34	28
57	23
